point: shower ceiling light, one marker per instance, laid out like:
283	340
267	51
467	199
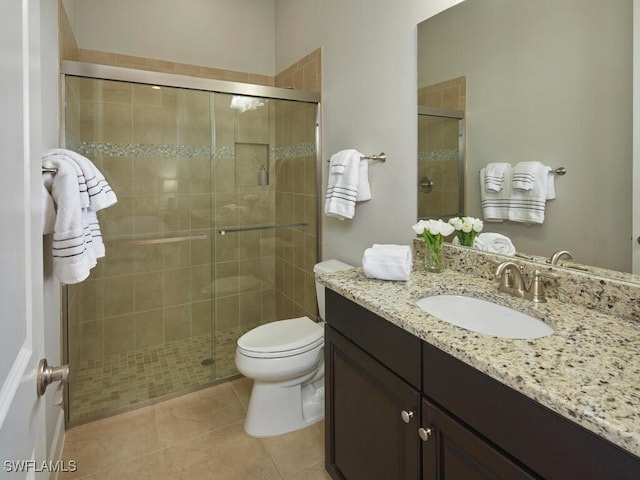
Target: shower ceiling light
243	104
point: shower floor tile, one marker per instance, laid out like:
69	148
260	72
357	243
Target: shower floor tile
98	388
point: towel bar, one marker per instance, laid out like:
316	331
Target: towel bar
49	170
381	157
556	171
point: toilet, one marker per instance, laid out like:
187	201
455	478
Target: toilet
285	359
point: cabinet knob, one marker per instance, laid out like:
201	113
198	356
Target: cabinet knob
406	416
424	433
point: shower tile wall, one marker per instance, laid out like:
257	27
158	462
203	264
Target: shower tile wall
296	201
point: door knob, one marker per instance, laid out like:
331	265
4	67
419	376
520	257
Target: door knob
406	416
47	375
424	433
426	185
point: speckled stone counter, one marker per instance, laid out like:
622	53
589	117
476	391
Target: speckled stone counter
588	370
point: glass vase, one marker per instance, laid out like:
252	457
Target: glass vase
433	258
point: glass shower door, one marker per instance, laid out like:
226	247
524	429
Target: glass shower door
140	326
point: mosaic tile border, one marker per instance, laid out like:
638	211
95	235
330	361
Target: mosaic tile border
106	149
434	155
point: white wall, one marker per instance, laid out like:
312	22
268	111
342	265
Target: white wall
369	96
229	34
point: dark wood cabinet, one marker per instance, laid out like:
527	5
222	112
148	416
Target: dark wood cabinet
453	452
385	389
368	439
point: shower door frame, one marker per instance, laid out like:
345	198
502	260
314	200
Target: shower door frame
146	77
460	116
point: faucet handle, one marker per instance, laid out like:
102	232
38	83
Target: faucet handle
536	289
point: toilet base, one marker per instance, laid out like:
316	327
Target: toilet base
276	409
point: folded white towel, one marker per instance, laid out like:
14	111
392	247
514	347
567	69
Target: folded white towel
494	243
344	184
495	205
100	193
524	175
388	262
528	206
494	176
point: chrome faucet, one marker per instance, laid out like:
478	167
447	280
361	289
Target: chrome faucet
512	281
558	255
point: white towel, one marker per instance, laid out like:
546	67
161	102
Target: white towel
495	206
364	190
494	243
48	212
528	206
343	187
388	262
100	193
494	176
524	175
72	258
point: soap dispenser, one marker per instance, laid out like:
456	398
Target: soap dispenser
263	176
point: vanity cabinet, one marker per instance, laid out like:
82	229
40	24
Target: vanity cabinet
385	389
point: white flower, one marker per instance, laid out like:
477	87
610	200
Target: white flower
420	226
477	225
456	222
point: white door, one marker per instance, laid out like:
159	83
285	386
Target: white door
22	423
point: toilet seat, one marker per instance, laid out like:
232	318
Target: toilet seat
283	338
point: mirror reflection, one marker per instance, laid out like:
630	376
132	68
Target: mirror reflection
547	81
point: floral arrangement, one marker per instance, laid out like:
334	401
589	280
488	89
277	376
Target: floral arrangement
466	229
433	232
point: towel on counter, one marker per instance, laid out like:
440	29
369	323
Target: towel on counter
348	183
528	206
494	176
388	262
495	205
494	243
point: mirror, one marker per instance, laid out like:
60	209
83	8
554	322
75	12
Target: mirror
547	81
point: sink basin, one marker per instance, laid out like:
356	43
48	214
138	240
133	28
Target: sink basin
484	317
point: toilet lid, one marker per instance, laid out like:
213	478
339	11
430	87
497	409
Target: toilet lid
282	336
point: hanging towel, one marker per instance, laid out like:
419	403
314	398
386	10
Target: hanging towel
524	175
495	206
100	193
364	190
388	262
48	212
494	176
494	243
343	185
528	206
72	257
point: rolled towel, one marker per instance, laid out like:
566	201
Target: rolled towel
494	243
388	262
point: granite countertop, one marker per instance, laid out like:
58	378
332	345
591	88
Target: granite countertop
588	370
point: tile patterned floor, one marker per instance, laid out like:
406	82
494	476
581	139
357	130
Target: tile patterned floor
99	387
196	436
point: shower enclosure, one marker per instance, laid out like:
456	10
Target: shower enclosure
441	163
215	230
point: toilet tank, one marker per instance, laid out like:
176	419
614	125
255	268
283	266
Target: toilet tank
327	266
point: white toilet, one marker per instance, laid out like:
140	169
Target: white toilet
285	359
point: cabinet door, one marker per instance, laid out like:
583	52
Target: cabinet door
451	451
366	435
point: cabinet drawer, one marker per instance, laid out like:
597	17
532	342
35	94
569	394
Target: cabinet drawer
388	343
546	442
